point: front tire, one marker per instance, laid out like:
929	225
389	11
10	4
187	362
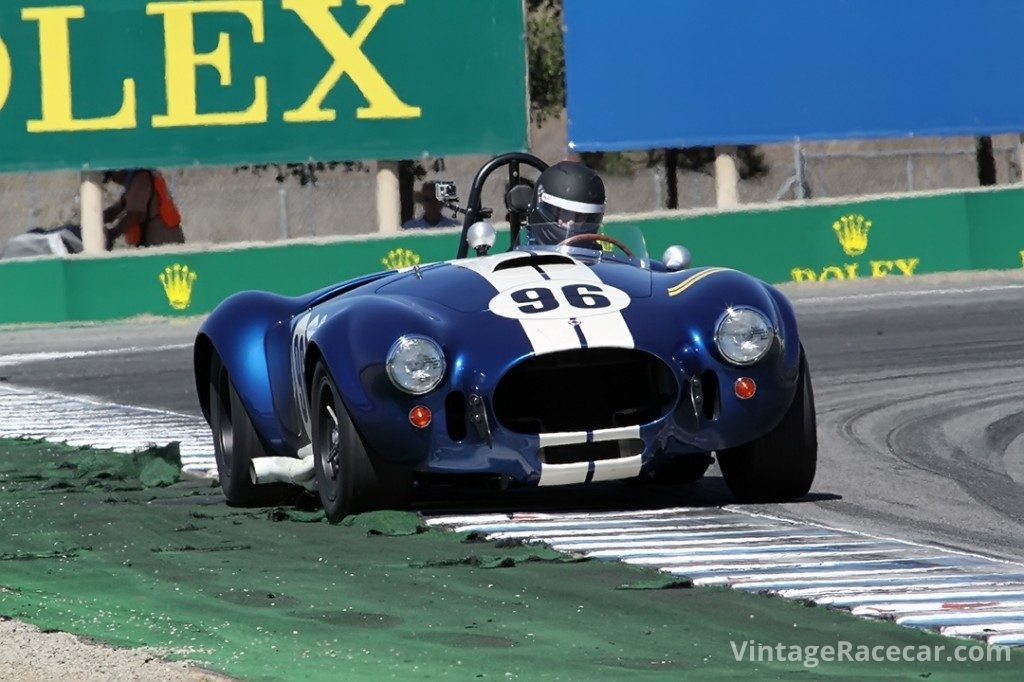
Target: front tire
236	443
350	478
779	466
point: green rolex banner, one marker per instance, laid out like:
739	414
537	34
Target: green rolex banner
121	83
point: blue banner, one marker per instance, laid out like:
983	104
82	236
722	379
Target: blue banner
679	73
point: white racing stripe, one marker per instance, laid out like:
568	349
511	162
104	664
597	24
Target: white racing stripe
950	592
81	421
563	474
616	469
563	332
600	331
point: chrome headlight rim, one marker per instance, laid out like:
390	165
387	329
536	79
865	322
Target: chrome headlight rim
392	357
729	312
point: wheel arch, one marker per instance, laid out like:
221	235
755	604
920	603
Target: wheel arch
236	332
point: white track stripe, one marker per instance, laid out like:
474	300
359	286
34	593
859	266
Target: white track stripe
934	607
82	421
831	300
15	359
919	585
951	618
939	594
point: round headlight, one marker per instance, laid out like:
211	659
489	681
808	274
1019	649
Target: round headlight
744	336
416	364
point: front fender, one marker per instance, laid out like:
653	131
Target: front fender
353	343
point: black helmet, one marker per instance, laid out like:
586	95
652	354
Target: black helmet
569	199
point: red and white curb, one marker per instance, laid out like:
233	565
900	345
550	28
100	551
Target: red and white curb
955	594
81	421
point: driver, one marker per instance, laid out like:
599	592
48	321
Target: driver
569	200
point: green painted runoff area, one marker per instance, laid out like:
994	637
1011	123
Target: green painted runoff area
115	548
896	237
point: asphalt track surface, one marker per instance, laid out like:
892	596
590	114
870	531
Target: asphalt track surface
919	386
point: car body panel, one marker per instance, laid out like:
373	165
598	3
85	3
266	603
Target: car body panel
490	314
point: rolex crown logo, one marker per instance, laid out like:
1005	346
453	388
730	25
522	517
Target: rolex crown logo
177	281
400	258
852	231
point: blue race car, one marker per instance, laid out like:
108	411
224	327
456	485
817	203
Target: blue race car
542	365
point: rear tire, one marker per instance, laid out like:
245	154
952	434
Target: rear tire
779	466
236	444
351	479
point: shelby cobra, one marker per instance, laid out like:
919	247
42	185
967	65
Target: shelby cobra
541	365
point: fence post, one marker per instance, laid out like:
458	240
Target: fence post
389	205
282	210
800	164
1019	152
727	178
659	196
91	197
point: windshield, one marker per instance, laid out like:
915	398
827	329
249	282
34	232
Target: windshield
581	241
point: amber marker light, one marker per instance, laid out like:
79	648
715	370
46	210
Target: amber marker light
420	417
745	388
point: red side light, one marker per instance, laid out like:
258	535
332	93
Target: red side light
745	388
420	417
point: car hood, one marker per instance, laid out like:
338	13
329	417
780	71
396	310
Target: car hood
543	284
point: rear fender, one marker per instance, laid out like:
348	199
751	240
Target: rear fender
237	332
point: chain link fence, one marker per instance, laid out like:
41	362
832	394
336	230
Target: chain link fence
222	205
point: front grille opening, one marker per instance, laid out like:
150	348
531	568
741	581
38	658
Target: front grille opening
455	415
712	398
591	452
584	390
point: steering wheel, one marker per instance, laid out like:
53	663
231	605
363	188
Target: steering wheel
587	237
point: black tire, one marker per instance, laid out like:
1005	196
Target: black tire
681	470
351	479
779	466
236	444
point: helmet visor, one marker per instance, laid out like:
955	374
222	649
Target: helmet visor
572	215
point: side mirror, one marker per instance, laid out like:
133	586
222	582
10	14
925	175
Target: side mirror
481	237
676	258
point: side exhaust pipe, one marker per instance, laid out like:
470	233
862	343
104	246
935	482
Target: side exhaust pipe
284	470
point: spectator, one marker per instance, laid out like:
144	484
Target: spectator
432	216
145	215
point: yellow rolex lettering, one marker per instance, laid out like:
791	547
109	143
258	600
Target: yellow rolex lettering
182	61
55	77
832	272
804	275
851	271
346	50
881	268
5	73
906	266
1022	259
